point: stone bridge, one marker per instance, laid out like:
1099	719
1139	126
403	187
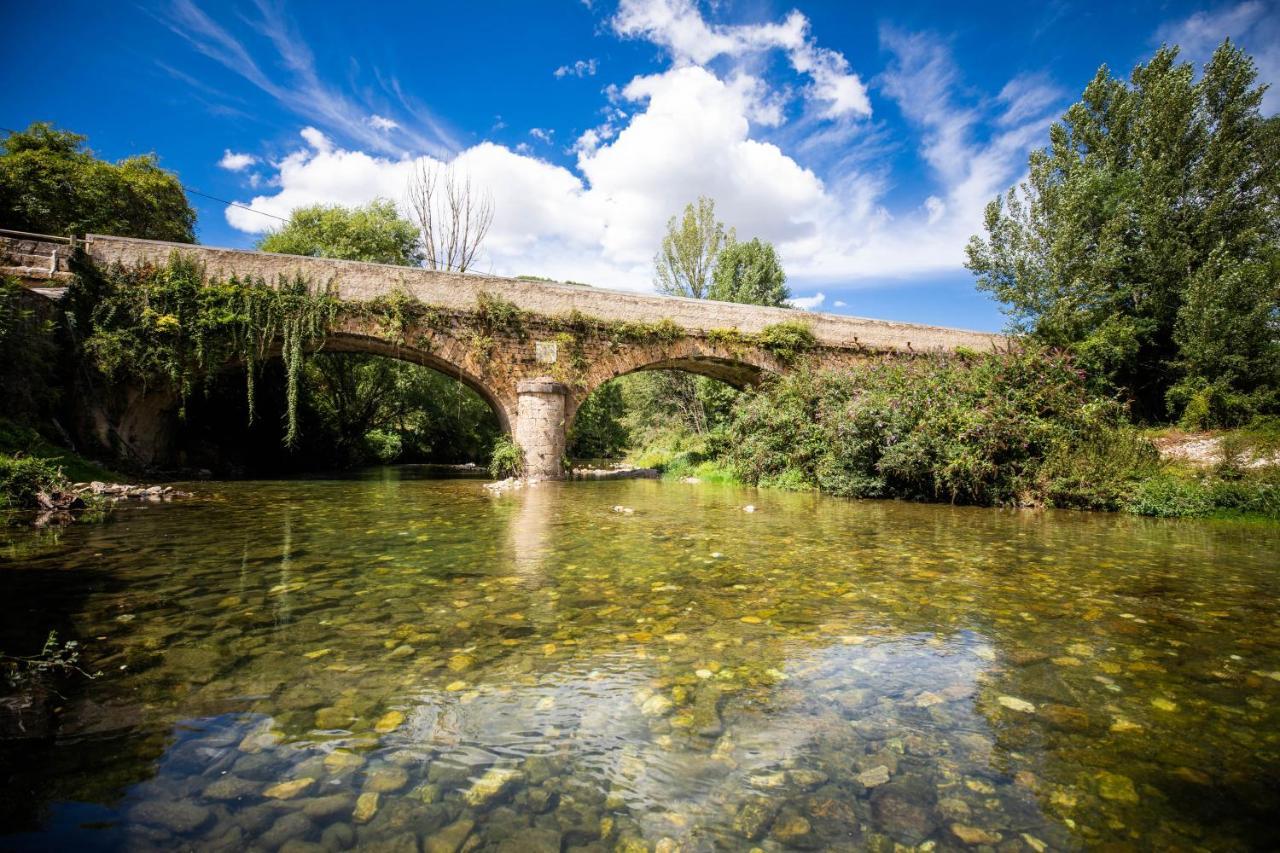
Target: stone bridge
534	365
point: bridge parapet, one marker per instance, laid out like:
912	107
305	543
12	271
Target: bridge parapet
358	281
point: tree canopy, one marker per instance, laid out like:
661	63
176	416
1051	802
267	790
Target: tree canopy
50	183
689	250
373	232
749	273
1146	238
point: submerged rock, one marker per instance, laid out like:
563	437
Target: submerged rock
230	788
289	790
975	835
340	760
366	807
532	840
875	776
321	808
450	839
1013	703
657	705
1117	788
177	817
790	829
289	826
490	787
754	817
386	779
333	718
904	817
389	722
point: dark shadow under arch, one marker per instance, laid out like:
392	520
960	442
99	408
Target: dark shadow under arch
738	374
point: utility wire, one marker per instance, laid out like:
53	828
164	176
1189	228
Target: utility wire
232	203
202	195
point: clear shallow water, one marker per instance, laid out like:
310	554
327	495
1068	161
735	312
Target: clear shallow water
412	664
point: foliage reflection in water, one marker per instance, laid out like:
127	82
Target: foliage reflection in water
415	663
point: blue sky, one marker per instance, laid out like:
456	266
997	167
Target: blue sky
863	140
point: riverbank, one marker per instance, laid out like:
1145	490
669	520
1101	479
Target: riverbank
1162	473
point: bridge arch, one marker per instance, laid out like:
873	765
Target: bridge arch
741	367
503	405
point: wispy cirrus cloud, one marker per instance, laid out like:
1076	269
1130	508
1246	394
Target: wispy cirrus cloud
301	90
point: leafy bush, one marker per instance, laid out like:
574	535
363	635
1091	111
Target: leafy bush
22	478
383	445
19	440
788	340
992	429
1167	495
507	459
1176	494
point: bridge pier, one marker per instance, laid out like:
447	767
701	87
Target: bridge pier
540	426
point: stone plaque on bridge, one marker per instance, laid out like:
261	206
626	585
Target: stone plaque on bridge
545	352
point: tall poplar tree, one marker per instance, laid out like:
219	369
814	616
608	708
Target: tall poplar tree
1146	239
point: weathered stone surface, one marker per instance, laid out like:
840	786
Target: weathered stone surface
534	381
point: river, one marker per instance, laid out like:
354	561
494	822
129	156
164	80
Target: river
391	661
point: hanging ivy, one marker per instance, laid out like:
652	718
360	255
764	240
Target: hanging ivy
172	326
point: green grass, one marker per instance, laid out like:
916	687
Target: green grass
19	440
677	454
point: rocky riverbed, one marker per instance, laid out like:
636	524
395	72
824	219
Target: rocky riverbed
413	665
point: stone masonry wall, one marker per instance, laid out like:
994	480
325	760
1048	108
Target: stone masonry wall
362	281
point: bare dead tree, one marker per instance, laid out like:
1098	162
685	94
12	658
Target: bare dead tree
452	216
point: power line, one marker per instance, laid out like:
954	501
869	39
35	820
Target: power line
232	203
202	195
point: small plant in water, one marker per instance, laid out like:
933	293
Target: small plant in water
507	459
54	658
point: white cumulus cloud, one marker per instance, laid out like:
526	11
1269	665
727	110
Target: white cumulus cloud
679	27
236	162
809	303
382	123
672	136
580	68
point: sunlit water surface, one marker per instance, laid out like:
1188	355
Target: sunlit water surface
394	662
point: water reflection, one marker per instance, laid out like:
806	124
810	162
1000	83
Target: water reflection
410	662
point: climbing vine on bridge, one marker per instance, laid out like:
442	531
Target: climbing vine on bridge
174	327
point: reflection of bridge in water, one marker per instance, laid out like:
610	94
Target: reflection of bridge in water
568	341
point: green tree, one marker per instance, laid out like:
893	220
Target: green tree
1146	235
50	183
598	430
374	232
369	408
689	250
749	273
